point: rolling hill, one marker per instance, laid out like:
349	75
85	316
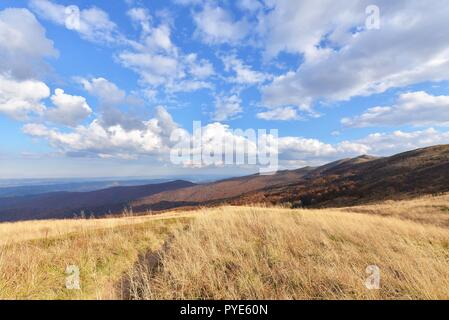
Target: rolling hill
342	183
234	253
67	204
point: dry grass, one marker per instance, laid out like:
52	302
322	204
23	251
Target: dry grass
251	253
102	249
235	253
29	230
427	210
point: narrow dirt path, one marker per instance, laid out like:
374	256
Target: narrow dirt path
147	265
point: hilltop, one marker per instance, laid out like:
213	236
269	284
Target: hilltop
234	253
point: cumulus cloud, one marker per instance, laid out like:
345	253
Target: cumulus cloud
227	108
250	5
315	151
188	86
154	57
412	108
153	38
141	17
199	68
298	150
216	144
159	62
23	48
110	98
385	144
280	114
68	110
340	59
20	98
23	44
220	140
299	26
93	24
216	25
188	2
343	59
244	74
110	142
154	69
107	92
155	139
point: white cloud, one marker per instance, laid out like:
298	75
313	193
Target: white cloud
154	69
335	133
188	86
142	17
413	108
20	98
385	144
214	139
159	39
296	150
299	26
244	74
154	58
107	92
160	63
153	139
154	39
23	44
111	142
284	91
199	68
110	98
250	5
293	151
69	110
411	46
188	2
216	25
281	114
92	24
315	151
227	108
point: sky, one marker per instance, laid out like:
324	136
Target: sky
97	88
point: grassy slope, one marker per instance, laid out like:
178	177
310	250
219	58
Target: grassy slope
254	253
102	249
237	252
426	210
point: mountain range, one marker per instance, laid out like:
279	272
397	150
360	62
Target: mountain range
345	182
58	205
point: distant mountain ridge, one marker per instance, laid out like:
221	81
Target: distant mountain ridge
68	204
345	182
76	186
341	183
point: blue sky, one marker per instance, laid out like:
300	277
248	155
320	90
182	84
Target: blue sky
95	88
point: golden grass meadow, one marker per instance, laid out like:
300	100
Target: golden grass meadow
235	253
